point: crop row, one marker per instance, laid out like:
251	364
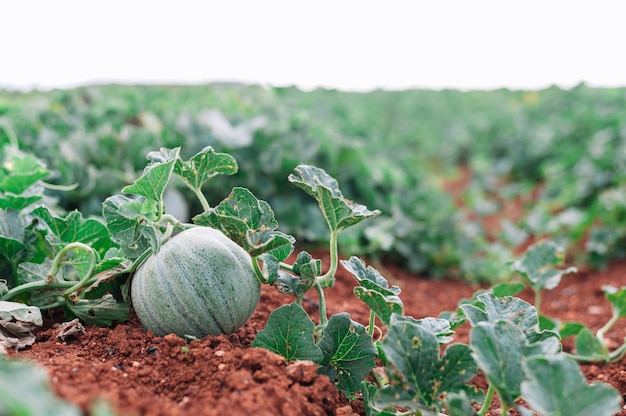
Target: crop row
394	150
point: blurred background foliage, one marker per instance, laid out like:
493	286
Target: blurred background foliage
465	179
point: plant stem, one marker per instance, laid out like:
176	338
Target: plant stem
605	328
286	266
537	300
372	325
58	259
488	397
201	198
40	284
92	265
257	271
618	354
326	279
322	304
50	282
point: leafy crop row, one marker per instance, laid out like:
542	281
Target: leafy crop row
83	265
387	149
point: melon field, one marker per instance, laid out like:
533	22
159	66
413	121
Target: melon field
243	249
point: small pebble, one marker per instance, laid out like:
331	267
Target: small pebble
219	353
595	310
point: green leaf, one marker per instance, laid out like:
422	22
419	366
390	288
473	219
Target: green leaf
289	332
339	212
438	326
76	265
374	290
205	165
418	374
306	266
547	323
18	202
498	349
568	329
368	391
20	240
507	289
588	347
74	228
306	269
12	249
349	353
538	265
617	297
459	404
555	386
250	223
26	391
543	343
516	310
125	218
151	184
19	171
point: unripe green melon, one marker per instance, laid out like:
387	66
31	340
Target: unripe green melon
199	283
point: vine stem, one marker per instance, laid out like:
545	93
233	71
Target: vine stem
41	284
618	354
322	304
50	282
537	300
372	325
203	201
602	331
258	271
606	327
488	397
92	264
334	259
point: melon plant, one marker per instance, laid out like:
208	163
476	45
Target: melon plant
199	283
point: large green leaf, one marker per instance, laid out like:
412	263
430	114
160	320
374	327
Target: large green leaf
418	374
349	352
538	265
555	386
205	165
250	223
498	348
339	212
289	332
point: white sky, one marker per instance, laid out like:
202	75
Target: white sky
346	44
